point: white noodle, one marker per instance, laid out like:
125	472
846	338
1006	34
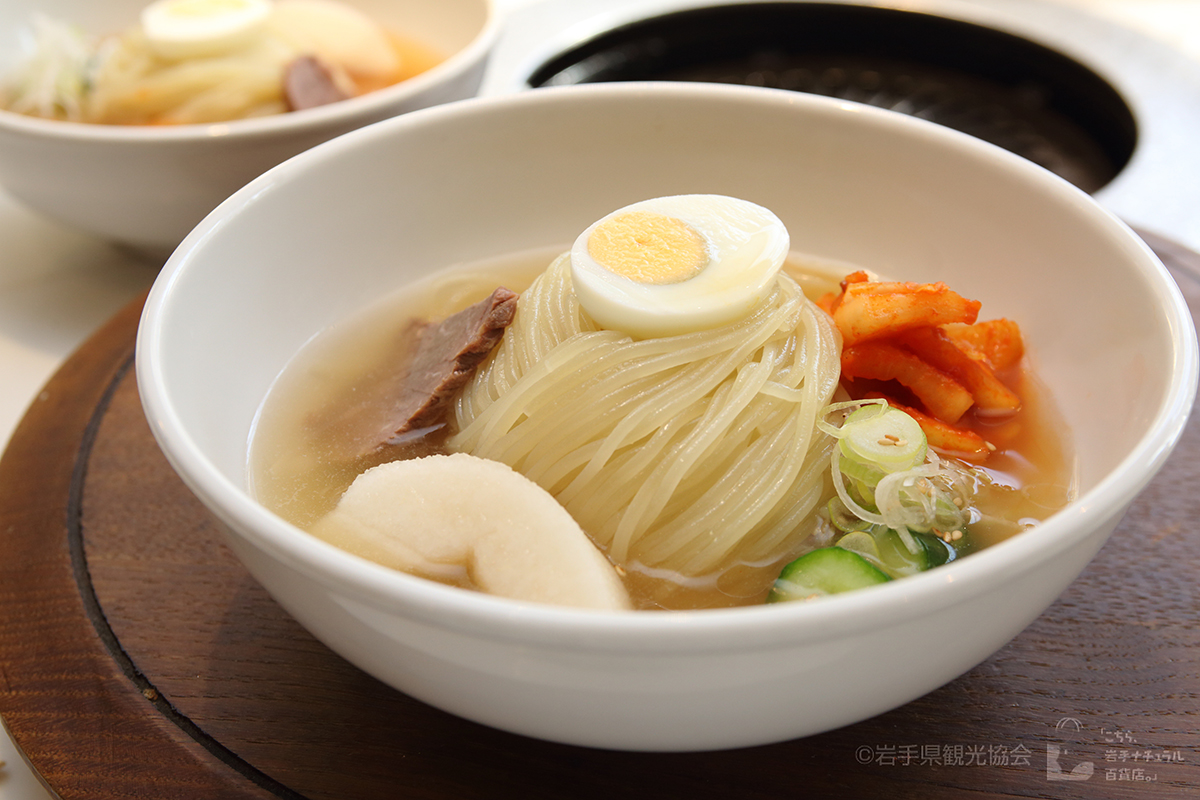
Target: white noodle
688	453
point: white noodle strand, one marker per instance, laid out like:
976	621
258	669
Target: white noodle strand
689	453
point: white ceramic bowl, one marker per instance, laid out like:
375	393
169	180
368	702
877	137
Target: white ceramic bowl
321	236
149	186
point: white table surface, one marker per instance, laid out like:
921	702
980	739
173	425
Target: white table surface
57	286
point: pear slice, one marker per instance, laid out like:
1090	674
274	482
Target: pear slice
337	34
468	520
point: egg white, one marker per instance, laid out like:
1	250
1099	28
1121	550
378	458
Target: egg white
181	29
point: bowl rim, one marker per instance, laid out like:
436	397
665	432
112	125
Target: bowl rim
355	580
367	106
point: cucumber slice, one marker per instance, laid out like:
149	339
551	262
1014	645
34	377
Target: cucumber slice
828	570
939	552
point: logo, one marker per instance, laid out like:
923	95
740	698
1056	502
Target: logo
1054	765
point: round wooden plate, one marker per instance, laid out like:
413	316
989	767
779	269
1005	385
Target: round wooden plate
139	659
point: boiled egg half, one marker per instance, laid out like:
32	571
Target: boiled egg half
180	29
677	264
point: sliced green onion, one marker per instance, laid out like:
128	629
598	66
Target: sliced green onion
833	408
863	473
886	475
839	485
887	438
842	518
921	499
863	543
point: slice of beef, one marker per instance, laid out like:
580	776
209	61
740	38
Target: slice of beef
308	83
413	392
447	356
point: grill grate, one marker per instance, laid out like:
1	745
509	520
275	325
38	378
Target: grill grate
992	85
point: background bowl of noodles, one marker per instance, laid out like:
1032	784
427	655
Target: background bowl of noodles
148	185
328	233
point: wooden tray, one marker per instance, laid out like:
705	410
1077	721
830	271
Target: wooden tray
138	658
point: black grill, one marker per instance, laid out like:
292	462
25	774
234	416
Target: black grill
996	86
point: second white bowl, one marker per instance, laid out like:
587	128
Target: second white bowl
149	186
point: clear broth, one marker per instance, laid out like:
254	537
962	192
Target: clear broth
298	470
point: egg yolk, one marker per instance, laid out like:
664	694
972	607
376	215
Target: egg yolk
648	248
